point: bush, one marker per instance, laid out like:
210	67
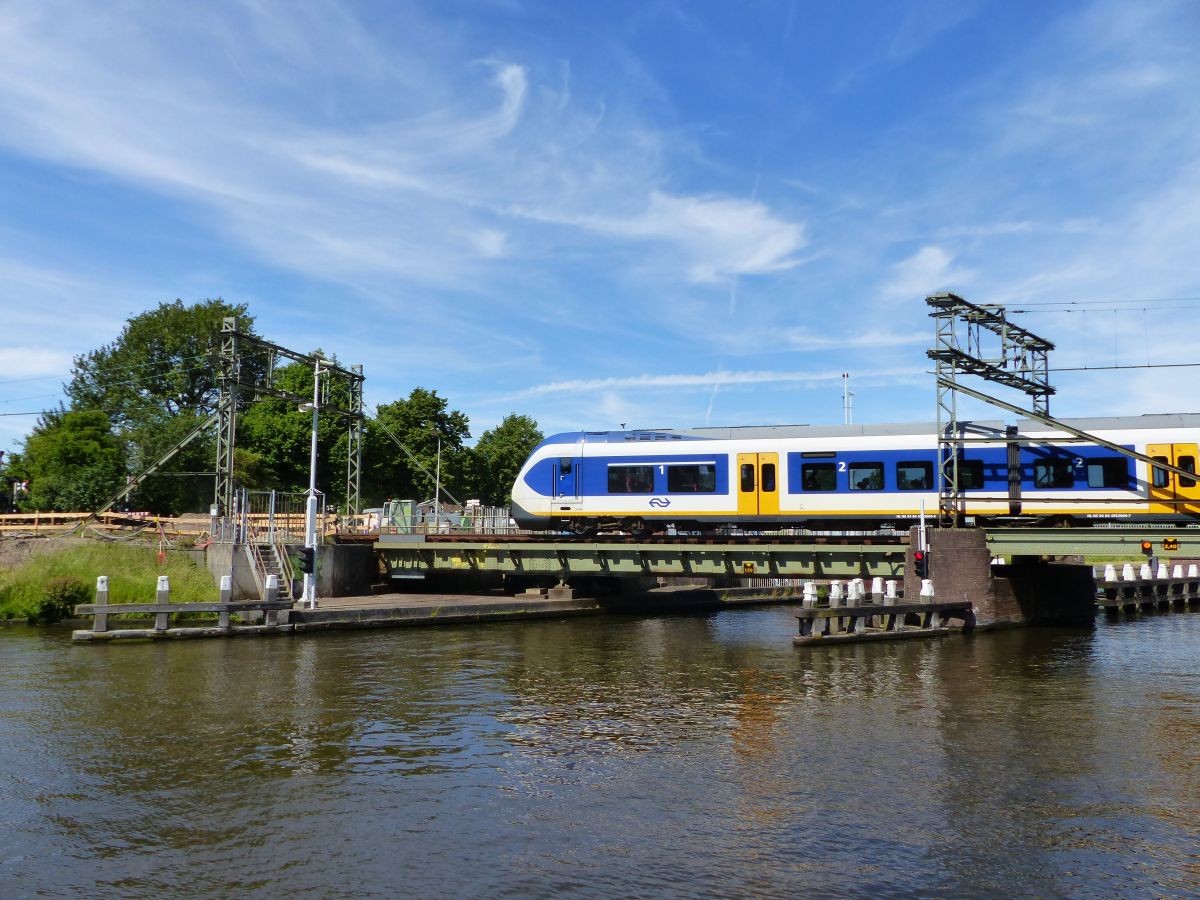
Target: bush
59	598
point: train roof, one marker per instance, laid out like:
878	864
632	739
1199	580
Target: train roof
736	432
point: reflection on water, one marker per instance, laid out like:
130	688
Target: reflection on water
685	755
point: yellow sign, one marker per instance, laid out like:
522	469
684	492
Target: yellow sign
748	568
1170	543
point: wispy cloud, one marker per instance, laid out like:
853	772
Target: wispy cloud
706	380
721	237
927	271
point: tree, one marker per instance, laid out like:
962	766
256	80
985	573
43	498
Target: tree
278	435
417	422
72	461
155	383
500	453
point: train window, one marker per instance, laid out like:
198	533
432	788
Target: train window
768	476
700	478
867	476
631	479
1053	473
970	474
1188	464
747	477
1108	473
819	476
914	476
564	465
1160	477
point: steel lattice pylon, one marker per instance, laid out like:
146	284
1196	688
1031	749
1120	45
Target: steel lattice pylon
231	370
228	378
1021	362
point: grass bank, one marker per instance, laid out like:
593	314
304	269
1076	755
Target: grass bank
47	585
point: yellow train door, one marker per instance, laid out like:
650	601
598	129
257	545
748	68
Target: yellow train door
758	484
1171	493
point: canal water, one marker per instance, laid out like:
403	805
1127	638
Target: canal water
624	756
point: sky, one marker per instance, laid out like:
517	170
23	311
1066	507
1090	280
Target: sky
648	214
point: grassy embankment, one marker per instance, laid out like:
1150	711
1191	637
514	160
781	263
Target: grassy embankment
46	586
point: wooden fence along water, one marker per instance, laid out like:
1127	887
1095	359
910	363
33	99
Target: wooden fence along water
272	609
1147	587
850	613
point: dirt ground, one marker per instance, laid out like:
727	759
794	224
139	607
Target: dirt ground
16	550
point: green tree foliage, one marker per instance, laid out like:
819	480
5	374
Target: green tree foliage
275	437
161	365
499	455
417	422
156	382
72	461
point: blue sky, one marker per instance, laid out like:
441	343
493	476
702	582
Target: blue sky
652	213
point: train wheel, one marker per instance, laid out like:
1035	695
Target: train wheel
583	528
635	527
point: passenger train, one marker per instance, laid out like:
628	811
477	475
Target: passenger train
855	476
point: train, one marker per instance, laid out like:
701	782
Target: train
856	476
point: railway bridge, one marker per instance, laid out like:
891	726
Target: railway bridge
1044	578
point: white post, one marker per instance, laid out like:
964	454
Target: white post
877	590
163	595
810	595
926	590
309	597
100	619
437	489
889	594
226	597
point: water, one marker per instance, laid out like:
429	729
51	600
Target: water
683	756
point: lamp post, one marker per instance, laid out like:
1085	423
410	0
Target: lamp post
309	597
437	486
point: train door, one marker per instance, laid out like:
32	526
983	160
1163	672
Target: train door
758	484
566	472
1166	488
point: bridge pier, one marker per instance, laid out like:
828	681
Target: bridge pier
1030	591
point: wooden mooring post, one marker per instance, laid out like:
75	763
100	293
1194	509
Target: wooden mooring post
274	612
851	614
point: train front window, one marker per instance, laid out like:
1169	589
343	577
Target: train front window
914	476
1053	473
1188	464
866	476
1107	473
819	476
697	479
631	479
1160	478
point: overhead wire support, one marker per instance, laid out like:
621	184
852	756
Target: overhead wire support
1021	362
235	345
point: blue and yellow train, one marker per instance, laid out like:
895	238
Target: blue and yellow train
855	476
